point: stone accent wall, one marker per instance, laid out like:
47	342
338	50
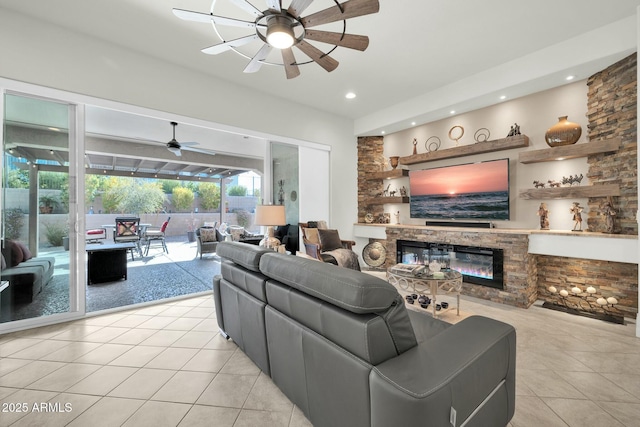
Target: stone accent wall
520	288
611	279
612	99
370	156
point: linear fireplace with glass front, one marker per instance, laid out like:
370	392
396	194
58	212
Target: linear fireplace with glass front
480	266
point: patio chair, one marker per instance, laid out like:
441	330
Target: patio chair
325	245
95	235
208	238
127	231
157	235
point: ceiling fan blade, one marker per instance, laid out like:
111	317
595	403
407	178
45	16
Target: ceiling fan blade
290	67
274	4
255	64
223	47
350	41
323	60
247	7
351	9
298	6
189	15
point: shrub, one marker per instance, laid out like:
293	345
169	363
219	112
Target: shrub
13	222
243	218
55	232
209	196
182	198
237	190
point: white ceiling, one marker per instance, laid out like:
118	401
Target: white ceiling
416	48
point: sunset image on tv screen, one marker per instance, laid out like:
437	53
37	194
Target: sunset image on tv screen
469	191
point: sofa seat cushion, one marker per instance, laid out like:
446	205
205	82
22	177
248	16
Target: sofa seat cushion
347	289
245	255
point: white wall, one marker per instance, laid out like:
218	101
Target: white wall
39	53
535	114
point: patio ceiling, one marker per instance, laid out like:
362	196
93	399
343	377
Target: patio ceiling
115	156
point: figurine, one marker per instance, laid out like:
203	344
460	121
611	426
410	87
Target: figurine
515	130
609	212
543	213
385	193
415	146
538	184
576	210
397	214
403	191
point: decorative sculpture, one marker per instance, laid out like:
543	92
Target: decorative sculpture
403	191
576	210
543	213
415	146
553	184
515	130
538	184
609	213
397	214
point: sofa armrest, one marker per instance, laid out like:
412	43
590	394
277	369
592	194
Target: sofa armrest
468	369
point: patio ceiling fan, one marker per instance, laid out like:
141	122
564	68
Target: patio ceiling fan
174	146
277	28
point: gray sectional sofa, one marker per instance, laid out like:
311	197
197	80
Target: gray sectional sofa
342	346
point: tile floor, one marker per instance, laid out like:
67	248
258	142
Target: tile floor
165	365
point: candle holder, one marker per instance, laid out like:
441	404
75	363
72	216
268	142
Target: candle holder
585	302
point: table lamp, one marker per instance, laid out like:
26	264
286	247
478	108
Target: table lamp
270	216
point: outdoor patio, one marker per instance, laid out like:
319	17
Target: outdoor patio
149	278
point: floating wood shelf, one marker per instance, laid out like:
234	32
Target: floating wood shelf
569	151
509	143
571	192
386	200
396	173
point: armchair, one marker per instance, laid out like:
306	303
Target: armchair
325	245
207	238
128	231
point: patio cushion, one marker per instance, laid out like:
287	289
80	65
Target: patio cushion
208	234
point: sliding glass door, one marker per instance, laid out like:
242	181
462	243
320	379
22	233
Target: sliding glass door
38	204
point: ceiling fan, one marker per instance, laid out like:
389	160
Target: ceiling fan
174	146
283	29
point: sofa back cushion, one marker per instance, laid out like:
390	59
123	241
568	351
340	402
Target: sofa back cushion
12	253
357	311
26	253
243	254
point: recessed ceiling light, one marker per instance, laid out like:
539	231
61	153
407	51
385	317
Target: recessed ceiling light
571	77
503	97
350	95
413	123
383	132
452	112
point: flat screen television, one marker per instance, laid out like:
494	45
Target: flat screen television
473	191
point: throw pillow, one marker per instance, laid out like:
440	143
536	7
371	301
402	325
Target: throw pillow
312	235
26	253
12	253
208	234
329	239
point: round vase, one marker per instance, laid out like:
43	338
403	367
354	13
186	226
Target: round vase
563	133
393	160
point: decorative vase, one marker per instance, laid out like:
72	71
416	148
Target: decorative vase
563	133
393	160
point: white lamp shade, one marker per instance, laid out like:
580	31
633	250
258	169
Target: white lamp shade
270	215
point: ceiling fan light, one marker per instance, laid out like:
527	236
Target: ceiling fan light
174	147
279	33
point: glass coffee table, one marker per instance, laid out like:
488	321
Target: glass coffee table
419	279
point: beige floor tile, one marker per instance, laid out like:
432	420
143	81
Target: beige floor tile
627	413
172	358
74	332
151	310
240	364
59	412
206	416
546	383
208	302
143	384
208	360
157	322
218	342
597	387
104	320
7	391
206	325
184	387
65	377
183	324
102	381
72	351
131	321
44	332
158	414
193	339
40	349
9	365
175	311
20	404
133	336
298	419
105	334
228	390
581	413
533	412
190	302
163	338
266	396
104	354
107	412
200	312
251	418
137	356
29	373
630	383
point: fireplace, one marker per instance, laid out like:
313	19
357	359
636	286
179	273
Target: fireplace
480	266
